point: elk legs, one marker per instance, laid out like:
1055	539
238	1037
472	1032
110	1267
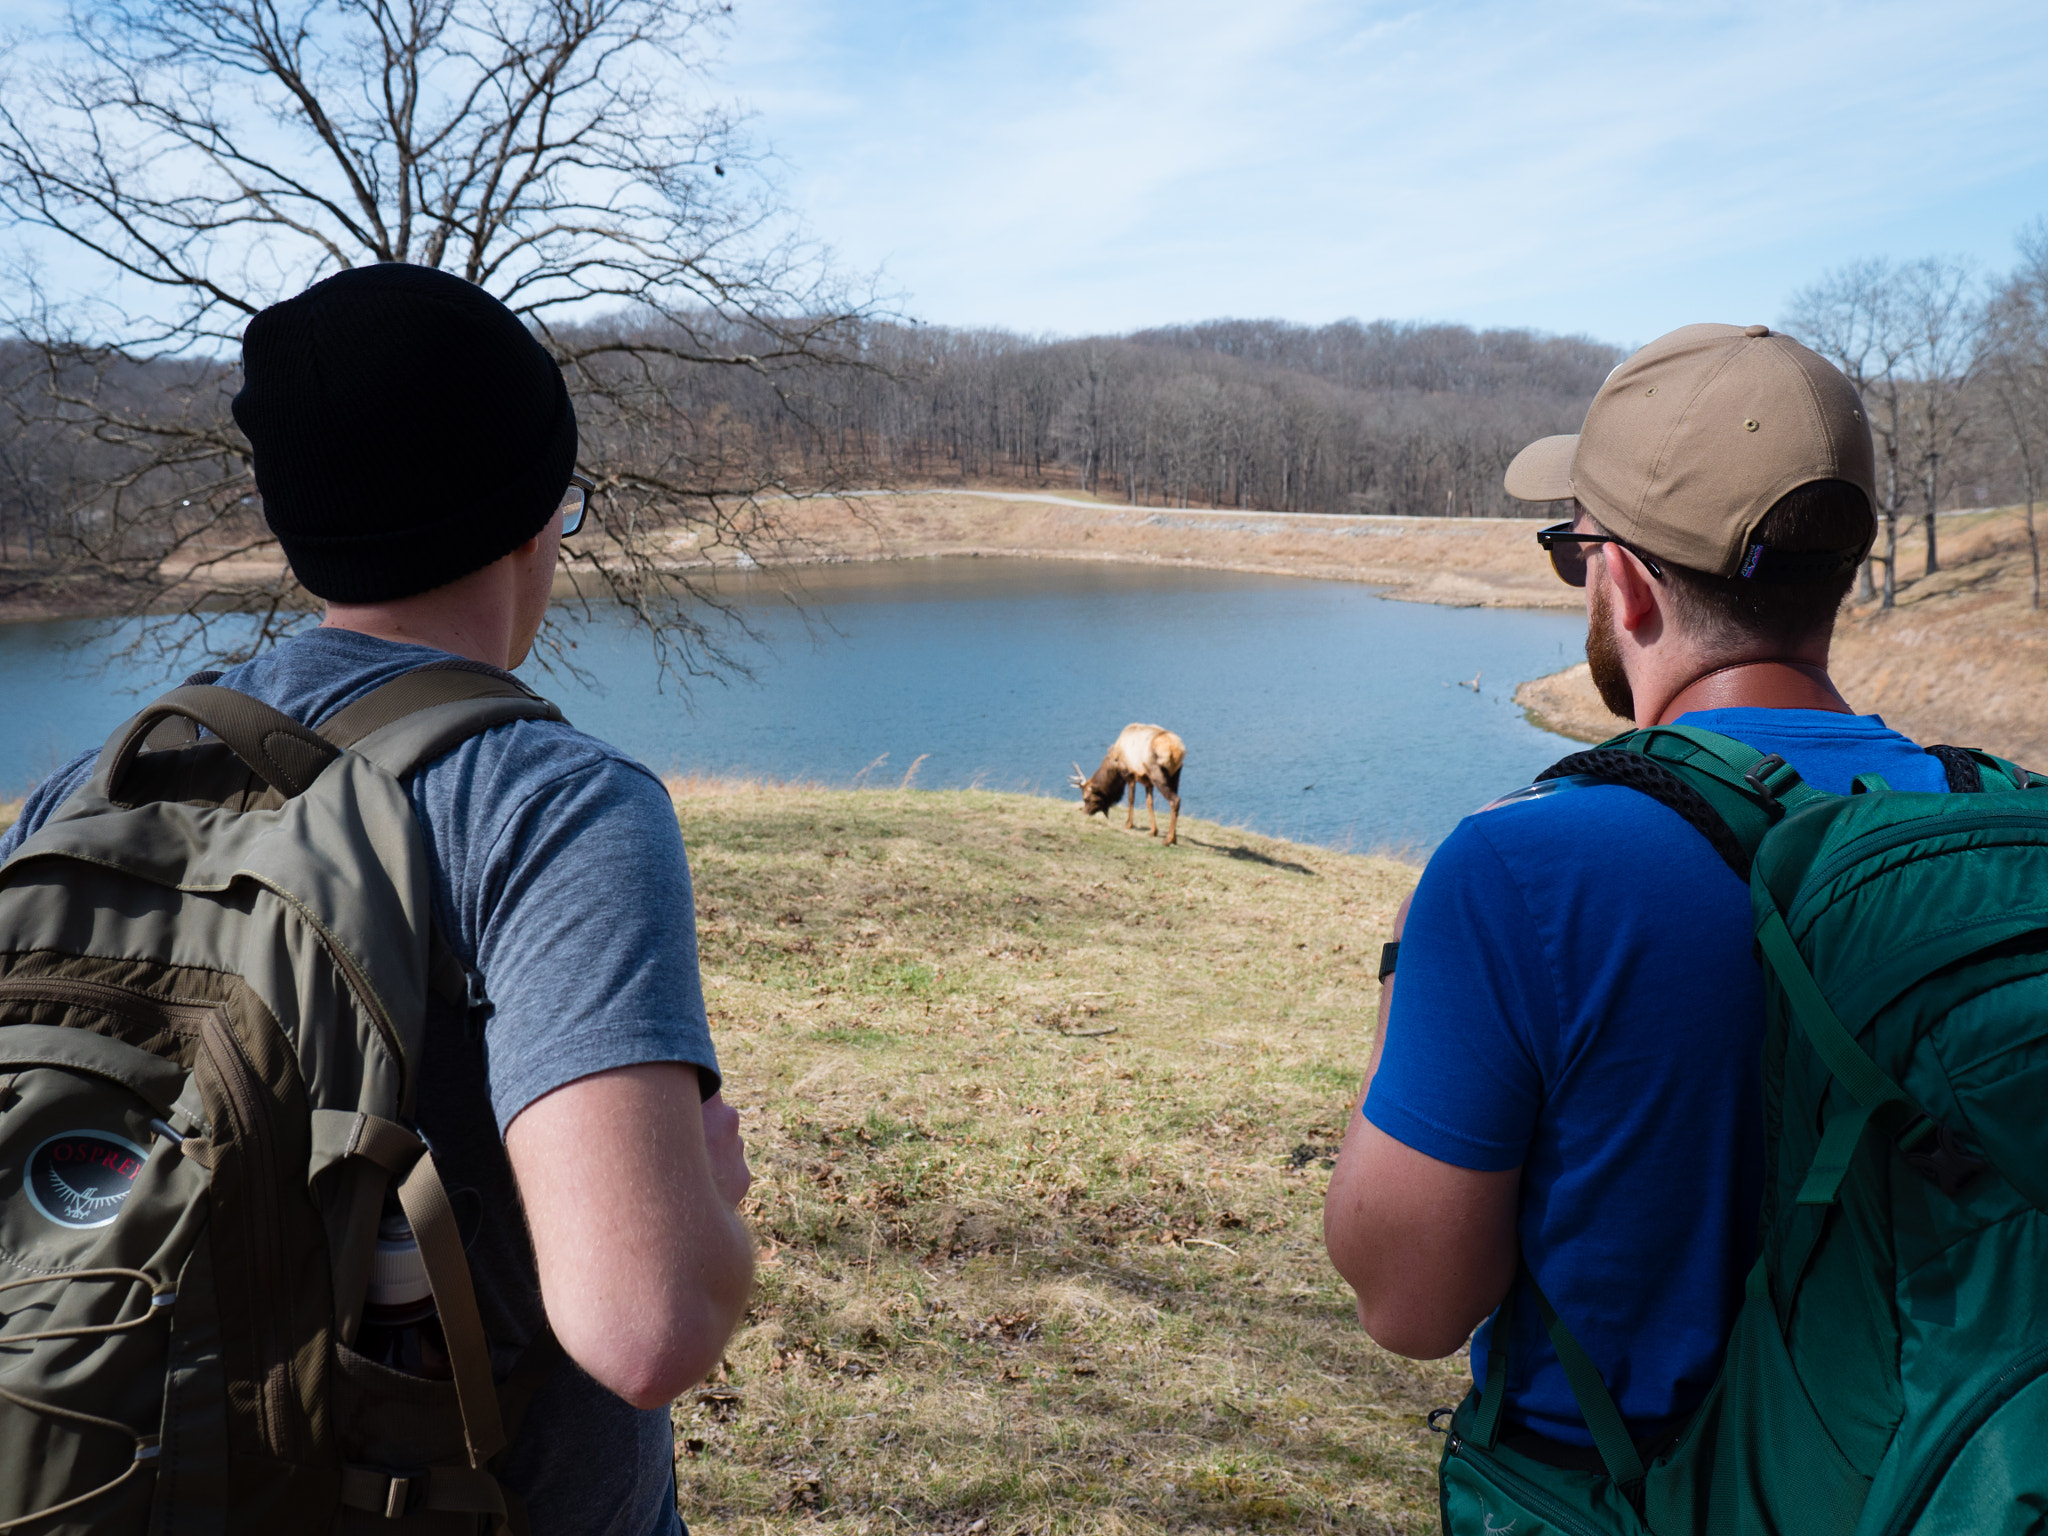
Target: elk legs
1152	809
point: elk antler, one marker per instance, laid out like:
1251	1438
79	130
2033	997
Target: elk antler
1080	779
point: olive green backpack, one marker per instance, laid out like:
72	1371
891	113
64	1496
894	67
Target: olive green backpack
214	967
1888	1370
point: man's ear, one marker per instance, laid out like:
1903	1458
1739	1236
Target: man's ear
1636	599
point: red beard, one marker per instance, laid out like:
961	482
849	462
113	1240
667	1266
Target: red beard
1603	656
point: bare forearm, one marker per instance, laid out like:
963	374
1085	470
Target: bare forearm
629	1181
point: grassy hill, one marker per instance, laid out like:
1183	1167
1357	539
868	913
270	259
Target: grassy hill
1041	1115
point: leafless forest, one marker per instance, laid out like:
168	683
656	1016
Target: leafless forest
1342	418
1952	365
1383	417
201	160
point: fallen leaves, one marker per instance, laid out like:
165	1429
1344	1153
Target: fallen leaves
1012	1327
721	1402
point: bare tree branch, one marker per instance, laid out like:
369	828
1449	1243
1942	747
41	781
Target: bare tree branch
210	157
1909	337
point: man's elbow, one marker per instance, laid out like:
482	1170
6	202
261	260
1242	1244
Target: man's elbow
1399	1315
651	1354
1416	1335
654	1367
1423	1321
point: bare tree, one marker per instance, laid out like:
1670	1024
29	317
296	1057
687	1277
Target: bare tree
1265	414
1938	300
1853	318
2016	373
207	157
1909	337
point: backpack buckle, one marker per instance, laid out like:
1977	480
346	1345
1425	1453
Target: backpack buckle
378	1492
1441	1422
1945	1164
1769	776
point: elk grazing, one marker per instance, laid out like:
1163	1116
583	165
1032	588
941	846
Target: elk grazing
1143	754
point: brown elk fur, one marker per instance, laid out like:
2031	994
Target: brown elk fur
1143	754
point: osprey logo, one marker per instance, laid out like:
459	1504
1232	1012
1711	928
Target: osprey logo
1498	1530
80	1178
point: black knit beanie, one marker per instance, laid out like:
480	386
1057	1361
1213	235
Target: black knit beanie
407	430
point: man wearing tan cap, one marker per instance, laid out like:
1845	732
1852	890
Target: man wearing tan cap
1571	1077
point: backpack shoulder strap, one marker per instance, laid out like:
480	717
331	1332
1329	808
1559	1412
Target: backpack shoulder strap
1730	793
273	746
1638	771
1596	1404
425	713
1971	770
417	717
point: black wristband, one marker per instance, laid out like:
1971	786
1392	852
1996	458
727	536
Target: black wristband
1389	953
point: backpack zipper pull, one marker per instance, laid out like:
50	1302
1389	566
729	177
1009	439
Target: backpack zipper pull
187	1146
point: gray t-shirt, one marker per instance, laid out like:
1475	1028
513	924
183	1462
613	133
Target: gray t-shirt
559	879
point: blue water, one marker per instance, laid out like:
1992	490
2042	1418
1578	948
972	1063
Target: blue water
1311	710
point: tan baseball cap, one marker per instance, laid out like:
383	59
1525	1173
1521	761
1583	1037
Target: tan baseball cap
1694	438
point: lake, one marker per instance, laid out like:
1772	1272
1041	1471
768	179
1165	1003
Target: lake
1311	710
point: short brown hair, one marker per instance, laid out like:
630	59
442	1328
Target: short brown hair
1820	517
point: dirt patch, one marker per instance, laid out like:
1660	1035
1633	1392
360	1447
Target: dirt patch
1567	702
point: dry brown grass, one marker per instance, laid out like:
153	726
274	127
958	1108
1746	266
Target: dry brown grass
1962	658
1567	702
1040	1113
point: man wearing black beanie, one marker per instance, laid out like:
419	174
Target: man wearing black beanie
407	428
415	447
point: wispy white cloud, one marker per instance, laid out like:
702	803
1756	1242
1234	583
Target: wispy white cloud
1599	166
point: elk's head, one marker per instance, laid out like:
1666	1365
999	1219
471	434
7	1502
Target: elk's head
1099	793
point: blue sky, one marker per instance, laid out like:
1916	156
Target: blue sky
1612	167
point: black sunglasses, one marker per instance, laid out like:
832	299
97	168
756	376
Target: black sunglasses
1569	551
575	500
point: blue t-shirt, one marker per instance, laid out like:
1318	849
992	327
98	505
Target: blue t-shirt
559	879
1578	998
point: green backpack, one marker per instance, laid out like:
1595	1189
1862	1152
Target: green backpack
1888	1370
215	961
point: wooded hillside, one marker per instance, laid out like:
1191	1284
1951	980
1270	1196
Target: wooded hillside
1350	417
